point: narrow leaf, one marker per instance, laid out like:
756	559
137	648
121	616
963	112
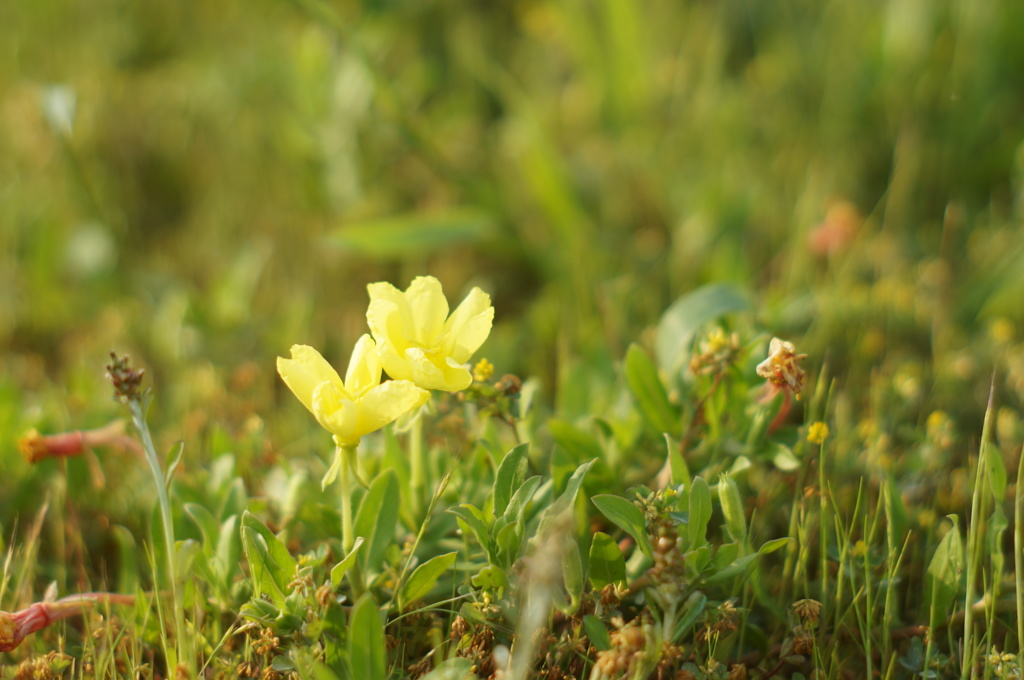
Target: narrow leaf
338	571
700	512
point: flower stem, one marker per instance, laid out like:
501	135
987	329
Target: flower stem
345	473
137	408
417	463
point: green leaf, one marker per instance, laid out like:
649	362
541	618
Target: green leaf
944	572
338	571
597	632
564	502
377	518
173	459
426	575
208	525
692	610
680	472
517	506
606	562
470	521
490	578
332	472
270	563
579	444
366	650
732	508
572	575
700	512
784	459
509	477
627	517
415	233
724	556
685	316
648	392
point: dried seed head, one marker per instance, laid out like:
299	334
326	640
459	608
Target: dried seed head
781	368
126	380
808	610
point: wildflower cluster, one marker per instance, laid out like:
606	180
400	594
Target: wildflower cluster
413	338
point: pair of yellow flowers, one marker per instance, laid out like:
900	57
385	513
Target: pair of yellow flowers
414	339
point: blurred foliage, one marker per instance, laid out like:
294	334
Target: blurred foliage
204	184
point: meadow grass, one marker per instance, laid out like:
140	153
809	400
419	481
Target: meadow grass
650	192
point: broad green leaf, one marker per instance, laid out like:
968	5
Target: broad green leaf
366	647
270	563
426	575
597	632
627	517
732	508
377	517
508	539
338	571
606	562
944	572
509	477
737	567
685	316
415	233
700	512
648	392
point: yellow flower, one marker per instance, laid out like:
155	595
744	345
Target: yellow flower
483	370
418	341
360	405
817	433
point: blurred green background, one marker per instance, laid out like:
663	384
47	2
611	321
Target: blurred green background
202	184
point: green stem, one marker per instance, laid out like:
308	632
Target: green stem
417	464
345	474
139	420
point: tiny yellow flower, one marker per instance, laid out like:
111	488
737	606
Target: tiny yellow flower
356	407
483	370
416	338
817	433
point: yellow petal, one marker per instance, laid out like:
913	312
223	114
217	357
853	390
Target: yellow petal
428	309
389	320
386	402
469	326
446	374
363	368
305	371
337	414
